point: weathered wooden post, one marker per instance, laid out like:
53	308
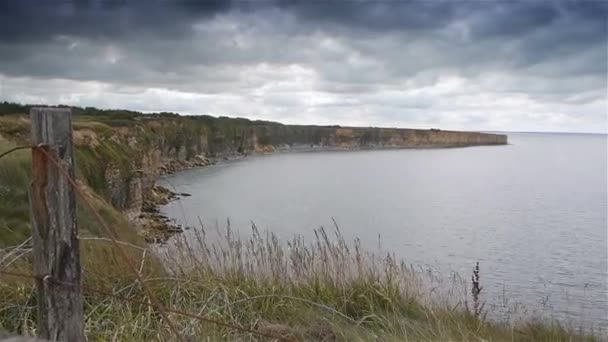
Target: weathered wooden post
56	251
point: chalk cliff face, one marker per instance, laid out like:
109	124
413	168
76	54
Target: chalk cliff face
122	155
134	156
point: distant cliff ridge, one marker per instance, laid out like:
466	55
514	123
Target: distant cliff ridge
121	154
370	138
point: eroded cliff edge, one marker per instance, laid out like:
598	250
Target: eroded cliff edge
122	154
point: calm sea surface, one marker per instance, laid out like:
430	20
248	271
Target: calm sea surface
533	213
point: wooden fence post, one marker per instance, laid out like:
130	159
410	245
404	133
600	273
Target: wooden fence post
56	251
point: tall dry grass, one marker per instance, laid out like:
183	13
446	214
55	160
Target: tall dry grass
326	289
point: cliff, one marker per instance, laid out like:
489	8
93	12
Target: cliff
121	154
134	155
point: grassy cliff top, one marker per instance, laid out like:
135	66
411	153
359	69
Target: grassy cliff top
121	117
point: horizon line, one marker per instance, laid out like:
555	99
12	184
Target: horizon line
143	112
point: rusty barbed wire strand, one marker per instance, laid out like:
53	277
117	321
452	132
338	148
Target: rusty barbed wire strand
16	148
141	302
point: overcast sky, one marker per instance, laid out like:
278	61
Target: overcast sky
483	65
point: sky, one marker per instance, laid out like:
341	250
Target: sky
519	65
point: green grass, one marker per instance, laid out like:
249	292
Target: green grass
14	183
15	179
325	290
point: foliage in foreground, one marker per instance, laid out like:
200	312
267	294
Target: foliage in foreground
325	290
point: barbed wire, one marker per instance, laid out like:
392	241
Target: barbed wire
154	302
141	302
16	148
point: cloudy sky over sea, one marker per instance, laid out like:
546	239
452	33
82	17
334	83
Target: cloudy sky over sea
477	65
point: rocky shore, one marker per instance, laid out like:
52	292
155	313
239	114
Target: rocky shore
175	165
156	227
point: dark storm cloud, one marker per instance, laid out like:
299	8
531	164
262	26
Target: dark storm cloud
371	58
162	23
377	16
41	20
490	19
116	18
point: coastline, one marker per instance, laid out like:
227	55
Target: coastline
157	228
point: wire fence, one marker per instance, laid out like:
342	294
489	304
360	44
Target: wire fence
18	251
56	282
